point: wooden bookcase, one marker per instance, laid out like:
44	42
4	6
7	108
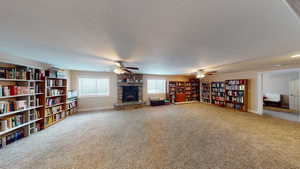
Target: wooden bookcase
205	92
236	92
30	100
182	91
72	106
56	100
218	93
21	102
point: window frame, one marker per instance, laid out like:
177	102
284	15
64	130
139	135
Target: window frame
80	94
165	86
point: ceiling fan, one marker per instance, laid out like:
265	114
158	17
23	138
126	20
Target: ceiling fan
121	69
201	73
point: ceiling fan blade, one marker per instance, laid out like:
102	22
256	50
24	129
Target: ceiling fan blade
133	68
211	73
127	71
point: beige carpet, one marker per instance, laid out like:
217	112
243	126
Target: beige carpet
193	136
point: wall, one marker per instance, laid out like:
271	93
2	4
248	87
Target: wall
107	102
96	102
276	84
146	95
252	85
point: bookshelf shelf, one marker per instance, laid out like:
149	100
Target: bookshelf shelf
20	80
21	95
56	86
19	111
55	105
56	96
18	127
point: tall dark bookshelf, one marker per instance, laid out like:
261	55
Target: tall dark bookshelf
187	90
237	94
205	92
218	93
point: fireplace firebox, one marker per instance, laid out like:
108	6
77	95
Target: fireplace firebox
130	94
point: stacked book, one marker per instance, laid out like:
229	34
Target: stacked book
9	106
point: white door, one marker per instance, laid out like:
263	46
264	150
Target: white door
294	94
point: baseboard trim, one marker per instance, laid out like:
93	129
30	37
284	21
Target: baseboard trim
95	109
253	111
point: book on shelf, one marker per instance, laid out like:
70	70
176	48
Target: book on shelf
12	122
53	110
34	114
13	90
55	82
10	106
53	101
55	92
17	135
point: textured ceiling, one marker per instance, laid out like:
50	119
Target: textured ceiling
159	36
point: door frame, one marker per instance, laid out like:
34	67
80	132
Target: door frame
260	75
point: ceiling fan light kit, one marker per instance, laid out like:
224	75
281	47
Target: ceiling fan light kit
121	69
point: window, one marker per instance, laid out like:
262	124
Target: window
156	86
93	87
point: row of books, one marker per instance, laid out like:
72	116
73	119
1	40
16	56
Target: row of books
55	92
21	73
71	105
9	106
12	122
12	73
34	114
235	93
53	101
235	87
56	82
51	119
235	106
14	90
218	84
235	99
222	90
53	110
15	136
236	82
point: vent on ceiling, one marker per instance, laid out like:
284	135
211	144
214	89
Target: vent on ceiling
295	5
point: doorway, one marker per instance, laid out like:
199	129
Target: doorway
280	92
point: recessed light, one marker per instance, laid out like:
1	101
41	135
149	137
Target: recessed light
296	56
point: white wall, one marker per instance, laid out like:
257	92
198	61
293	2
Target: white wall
96	102
278	82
